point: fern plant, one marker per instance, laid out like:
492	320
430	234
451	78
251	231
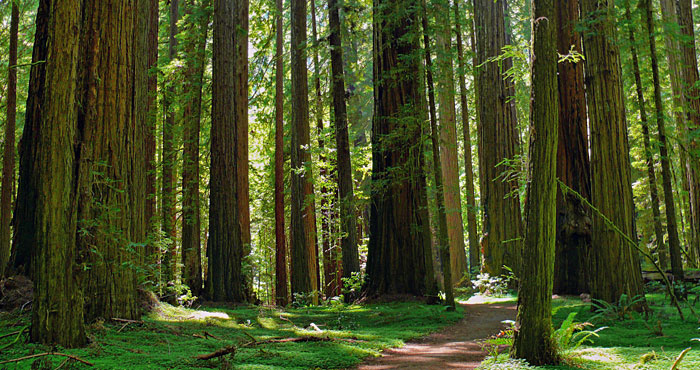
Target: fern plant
571	335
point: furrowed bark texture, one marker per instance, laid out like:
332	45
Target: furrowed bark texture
281	286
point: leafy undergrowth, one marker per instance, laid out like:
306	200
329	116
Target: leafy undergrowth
172	337
634	343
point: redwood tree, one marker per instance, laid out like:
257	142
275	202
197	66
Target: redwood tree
281	289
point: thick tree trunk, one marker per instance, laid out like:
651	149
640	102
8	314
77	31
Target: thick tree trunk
348	221
46	205
150	139
225	249
498	142
111	182
303	239
196	25
666	174
399	246
474	254
8	158
614	268
648	154
240	103
448	142
281	289
691	92
533	329
573	165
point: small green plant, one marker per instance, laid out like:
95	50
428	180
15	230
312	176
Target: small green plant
303	299
621	311
503	362
353	284
496	286
571	334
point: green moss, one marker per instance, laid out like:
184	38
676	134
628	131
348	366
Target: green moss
170	338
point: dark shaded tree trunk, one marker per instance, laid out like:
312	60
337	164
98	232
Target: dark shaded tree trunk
533	329
614	268
691	93
8	158
303	236
672	225
196	25
150	139
240	102
281	289
398	259
474	254
498	142
225	245
348	222
648	154
46	204
573	164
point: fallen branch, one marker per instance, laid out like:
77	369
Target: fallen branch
13	333
48	354
680	358
302	339
127	321
19	334
207	334
250	336
222	352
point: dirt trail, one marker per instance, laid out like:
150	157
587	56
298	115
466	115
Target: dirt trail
456	347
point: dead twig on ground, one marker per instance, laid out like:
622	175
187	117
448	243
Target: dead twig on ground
48	354
221	352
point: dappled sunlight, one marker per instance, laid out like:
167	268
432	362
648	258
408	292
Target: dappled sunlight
481	299
166	312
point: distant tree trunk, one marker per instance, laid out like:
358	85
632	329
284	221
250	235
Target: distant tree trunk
691	93
614	268
110	182
46	204
281	289
196	26
448	142
498	142
673	240
443	241
348	221
398	259
573	164
169	155
474	254
303	245
225	249
150	140
533	329
8	158
240	103
648	154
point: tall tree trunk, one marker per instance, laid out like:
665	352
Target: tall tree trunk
398	258
648	154
196	25
225	249
281	289
169	156
8	158
110	181
498	142
150	139
443	241
573	164
474	255
348	222
46	200
615	267
533	328
691	93
304	266
448	142
672	225
240	103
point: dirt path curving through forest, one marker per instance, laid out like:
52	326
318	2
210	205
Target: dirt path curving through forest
456	347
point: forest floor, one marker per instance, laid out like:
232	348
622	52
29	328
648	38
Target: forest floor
459	346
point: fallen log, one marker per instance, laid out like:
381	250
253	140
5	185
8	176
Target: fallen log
218	353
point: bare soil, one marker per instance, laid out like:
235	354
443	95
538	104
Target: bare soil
457	347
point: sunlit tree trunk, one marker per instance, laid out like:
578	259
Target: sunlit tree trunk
303	239
281	289
498	143
573	165
614	264
533	329
8	158
225	245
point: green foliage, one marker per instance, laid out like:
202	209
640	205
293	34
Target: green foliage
622	310
496	286
171	336
571	335
502	362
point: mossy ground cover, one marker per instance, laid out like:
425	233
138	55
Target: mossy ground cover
633	343
171	337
